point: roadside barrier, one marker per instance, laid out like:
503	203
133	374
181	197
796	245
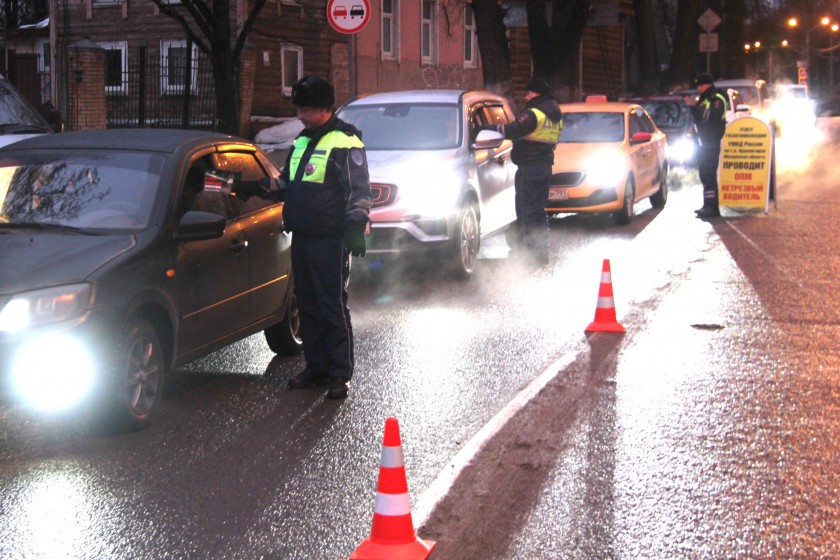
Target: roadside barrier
392	536
605	320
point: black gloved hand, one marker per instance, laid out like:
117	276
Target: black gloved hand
354	239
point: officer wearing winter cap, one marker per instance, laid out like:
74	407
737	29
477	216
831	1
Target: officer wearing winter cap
710	119
327	207
535	133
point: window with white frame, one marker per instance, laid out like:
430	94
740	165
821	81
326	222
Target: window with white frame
390	29
428	32
44	56
176	67
470	41
291	57
116	67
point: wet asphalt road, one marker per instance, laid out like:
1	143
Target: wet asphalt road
709	430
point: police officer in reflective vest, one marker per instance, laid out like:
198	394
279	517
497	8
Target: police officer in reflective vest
710	118
327	207
535	133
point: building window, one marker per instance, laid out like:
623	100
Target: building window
390	29
174	66
470	42
44	57
428	32
116	67
291	57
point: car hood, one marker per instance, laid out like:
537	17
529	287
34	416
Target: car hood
390	166
574	155
31	260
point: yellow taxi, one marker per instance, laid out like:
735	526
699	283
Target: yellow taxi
610	156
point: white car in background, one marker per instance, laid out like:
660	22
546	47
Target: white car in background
440	183
19	120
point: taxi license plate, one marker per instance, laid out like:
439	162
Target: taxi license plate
558	194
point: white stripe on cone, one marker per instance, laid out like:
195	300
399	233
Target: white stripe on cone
606	302
392	504
392	457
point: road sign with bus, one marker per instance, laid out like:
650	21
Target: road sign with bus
348	16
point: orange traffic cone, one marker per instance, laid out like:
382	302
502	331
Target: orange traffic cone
392	536
605	320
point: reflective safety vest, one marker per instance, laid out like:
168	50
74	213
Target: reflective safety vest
315	167
707	103
547	131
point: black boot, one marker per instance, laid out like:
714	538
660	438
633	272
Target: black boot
338	388
708	212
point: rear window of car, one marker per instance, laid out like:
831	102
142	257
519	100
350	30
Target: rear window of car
592	127
102	191
669	114
406	126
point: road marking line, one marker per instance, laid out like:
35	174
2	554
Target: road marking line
438	489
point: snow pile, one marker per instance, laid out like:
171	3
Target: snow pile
279	137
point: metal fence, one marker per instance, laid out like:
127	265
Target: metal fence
160	89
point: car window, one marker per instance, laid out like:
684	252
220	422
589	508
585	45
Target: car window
669	114
592	127
406	126
485	114
635	124
108	190
647	124
250	169
195	197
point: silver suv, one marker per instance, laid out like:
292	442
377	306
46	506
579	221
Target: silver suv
440	183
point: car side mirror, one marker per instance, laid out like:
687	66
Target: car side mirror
487	140
742	108
197	226
641	137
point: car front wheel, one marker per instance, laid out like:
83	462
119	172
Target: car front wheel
625	214
140	370
467	242
284	337
660	197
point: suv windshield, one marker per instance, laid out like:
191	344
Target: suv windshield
406	126
669	114
105	191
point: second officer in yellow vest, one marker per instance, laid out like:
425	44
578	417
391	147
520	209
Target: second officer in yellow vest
535	133
326	207
710	119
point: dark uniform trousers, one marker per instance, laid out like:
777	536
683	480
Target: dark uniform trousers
322	302
531	198
707	167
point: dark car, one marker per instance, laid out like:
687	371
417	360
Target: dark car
124	253
672	115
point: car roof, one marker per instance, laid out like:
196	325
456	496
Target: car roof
742	82
422	96
136	139
600	107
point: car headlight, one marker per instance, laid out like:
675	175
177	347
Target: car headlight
430	193
43	307
681	150
606	168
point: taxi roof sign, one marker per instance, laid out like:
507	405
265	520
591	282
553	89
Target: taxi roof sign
596	99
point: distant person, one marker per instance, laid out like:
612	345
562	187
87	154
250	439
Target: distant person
327	207
535	133
710	119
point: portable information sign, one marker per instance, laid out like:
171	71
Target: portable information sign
746	173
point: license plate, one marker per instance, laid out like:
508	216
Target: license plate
558	194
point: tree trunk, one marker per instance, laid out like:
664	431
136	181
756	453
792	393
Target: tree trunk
493	46
681	69
648	70
554	46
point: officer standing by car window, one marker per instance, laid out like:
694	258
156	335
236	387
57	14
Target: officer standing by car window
710	118
535	133
327	207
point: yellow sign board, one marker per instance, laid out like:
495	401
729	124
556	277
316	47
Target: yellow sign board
746	158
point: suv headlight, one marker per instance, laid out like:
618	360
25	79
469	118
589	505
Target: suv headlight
43	307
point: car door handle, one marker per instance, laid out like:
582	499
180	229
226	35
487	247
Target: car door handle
237	246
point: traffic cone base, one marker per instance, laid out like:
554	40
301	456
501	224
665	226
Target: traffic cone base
392	536
605	320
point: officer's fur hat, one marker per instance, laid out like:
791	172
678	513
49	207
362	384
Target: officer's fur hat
312	91
704	79
538	86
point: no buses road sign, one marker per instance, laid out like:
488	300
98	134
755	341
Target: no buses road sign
348	16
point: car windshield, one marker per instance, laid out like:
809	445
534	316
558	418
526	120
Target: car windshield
14	111
103	191
592	127
669	114
406	126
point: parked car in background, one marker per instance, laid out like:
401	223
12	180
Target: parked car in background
18	118
672	115
610	156
124	253
746	95
440	183
791	110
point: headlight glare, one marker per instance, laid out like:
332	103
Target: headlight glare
44	307
606	168
53	372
